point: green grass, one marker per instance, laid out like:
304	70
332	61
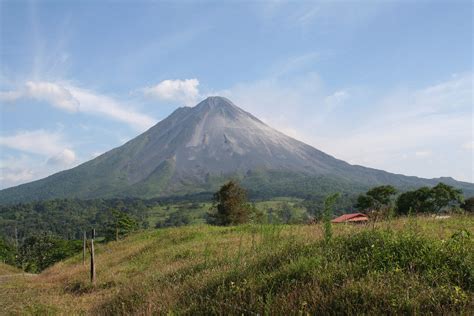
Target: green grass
405	266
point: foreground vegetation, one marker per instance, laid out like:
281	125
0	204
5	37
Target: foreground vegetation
407	265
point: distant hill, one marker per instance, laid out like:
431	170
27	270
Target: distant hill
196	149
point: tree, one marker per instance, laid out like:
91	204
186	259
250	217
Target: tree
327	214
230	205
418	201
468	205
286	213
376	198
443	195
40	251
122	225
425	200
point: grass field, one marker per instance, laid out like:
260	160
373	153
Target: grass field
8	270
407	265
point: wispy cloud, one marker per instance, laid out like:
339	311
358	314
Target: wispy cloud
305	14
106	106
182	91
41	153
18	169
39	142
71	98
54	94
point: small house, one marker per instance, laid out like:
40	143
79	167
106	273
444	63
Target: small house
351	218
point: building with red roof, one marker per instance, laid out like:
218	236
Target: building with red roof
351	218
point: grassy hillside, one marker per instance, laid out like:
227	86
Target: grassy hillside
403	266
6	269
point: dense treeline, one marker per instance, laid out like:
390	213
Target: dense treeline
65	218
385	201
35	235
68	218
38	234
40	250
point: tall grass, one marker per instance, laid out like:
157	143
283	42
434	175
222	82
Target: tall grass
413	266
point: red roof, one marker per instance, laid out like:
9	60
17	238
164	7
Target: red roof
355	217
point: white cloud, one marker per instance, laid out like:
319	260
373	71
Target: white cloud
37	142
17	170
106	106
184	91
53	93
42	153
13	176
65	158
468	145
10	96
22	168
71	98
336	99
423	153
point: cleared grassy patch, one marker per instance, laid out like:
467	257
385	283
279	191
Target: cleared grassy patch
6	269
408	265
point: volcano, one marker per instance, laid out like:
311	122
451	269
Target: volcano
196	149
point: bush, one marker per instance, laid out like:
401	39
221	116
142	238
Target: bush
41	251
7	252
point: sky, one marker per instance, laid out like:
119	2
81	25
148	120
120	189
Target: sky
383	84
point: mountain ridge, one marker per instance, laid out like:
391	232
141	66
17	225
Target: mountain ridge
195	149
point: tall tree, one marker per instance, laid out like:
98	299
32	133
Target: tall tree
376	198
231	205
122	225
417	201
425	200
444	195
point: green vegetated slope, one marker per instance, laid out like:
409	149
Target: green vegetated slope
409	265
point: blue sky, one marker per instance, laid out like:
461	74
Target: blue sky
385	84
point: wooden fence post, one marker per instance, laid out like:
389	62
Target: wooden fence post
84	244
92	257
